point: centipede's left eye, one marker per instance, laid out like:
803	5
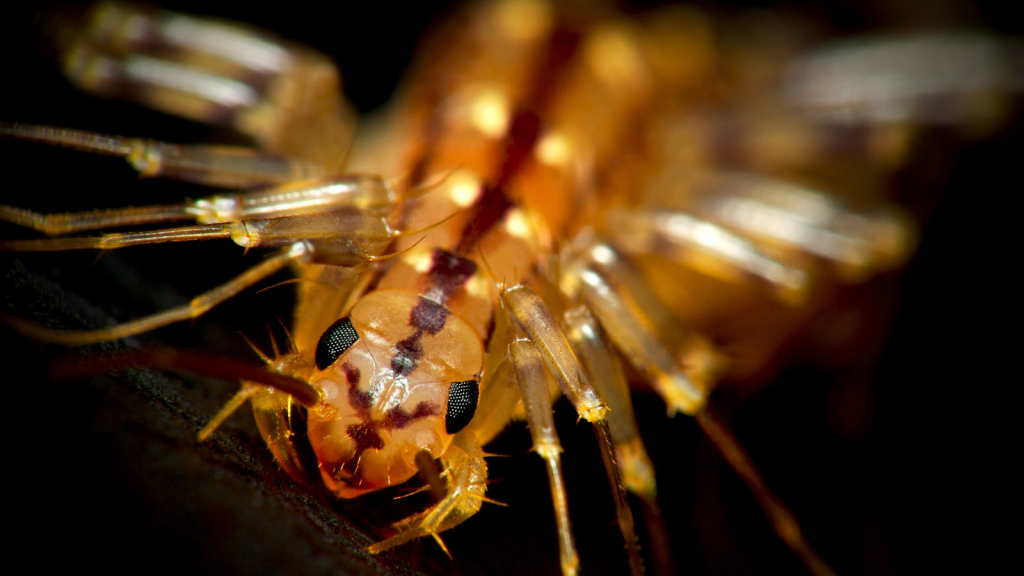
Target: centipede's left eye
335	340
462	399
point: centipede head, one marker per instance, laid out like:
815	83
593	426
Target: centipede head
399	375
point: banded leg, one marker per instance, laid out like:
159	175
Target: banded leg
595	352
966	80
801	220
529	370
288	98
534	321
335	222
683	389
706	246
344	240
195	308
591	347
584	278
216	166
358	192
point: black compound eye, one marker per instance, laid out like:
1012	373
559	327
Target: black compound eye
462	398
336	339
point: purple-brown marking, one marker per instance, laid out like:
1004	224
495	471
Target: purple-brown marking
427	317
367	434
447	275
488	211
522	135
407	355
516	147
351	373
398	418
360	401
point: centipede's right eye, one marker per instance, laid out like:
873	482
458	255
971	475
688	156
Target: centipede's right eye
336	339
462	400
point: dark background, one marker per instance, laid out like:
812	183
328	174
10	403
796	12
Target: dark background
897	464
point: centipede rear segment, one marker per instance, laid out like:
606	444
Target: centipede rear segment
245	459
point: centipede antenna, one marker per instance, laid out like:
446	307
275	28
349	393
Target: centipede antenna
196	307
192	362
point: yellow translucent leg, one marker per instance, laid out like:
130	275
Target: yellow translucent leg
708	247
286	97
783	522
529	370
116	240
627	328
591	347
366	197
197	307
637	472
219	166
533	320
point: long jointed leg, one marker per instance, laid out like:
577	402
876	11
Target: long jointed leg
256	380
120	240
354	192
218	166
198	306
591	347
629	331
684	238
529	369
627	328
783	522
595	352
535	322
286	97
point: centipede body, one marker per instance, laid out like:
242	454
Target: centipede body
847	475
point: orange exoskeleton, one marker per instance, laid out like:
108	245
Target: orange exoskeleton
555	195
